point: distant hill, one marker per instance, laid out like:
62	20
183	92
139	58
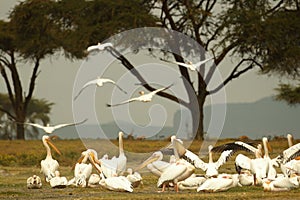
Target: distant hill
265	117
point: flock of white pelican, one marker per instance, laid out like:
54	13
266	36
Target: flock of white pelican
179	171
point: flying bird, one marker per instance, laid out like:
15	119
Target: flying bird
98	47
50	129
98	82
191	66
143	98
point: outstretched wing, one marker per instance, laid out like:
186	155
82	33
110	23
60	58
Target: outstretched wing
124	102
177	63
70	124
224	157
36	125
198	64
113	82
188	155
291	153
92	82
235	146
161	89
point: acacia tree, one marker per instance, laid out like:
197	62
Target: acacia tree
208	25
38	29
272	34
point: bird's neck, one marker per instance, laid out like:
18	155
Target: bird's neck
210	157
48	150
121	148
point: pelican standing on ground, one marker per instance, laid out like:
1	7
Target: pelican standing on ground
116	165
293	166
178	171
143	98
49	129
190	65
98	82
155	163
34	182
49	165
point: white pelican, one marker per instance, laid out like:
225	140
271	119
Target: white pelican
191	183
143	97
49	129
281	184
94	180
190	65
49	165
82	174
271	173
92	156
246	178
288	160
221	183
155	163
98	47
178	171
58	181
292	166
118	183
116	165
34	182
135	178
98	82
210	168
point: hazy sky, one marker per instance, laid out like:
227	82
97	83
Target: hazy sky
57	77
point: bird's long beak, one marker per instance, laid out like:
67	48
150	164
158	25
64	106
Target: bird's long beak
95	162
179	148
53	146
151	159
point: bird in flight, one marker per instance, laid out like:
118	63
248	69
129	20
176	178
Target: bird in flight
98	47
99	82
190	65
143	97
49	129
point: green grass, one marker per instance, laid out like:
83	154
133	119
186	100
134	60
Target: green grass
20	159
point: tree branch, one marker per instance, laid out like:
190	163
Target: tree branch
32	83
7	83
133	70
234	74
7	112
218	60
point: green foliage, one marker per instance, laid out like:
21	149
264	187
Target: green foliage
268	31
288	93
38	110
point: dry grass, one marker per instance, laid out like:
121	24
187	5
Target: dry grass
20	159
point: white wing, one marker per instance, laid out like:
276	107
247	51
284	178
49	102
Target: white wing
124	102
223	158
106	80
92	82
198	64
291	153
36	125
178	63
70	124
